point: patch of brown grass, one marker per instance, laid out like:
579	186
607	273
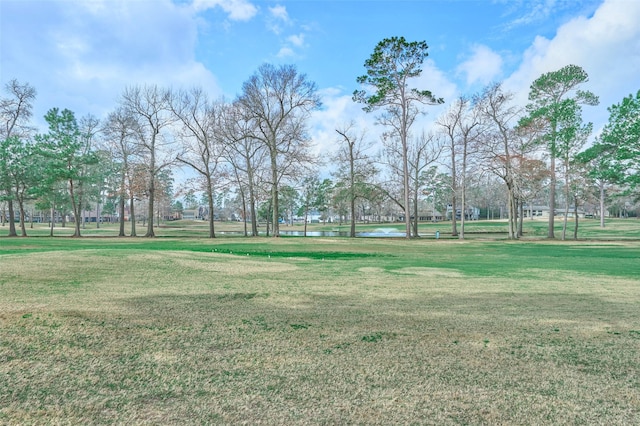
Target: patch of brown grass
92	337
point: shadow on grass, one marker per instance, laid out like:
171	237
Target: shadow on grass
255	357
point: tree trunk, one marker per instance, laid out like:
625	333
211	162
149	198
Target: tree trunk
150	212
352	190
12	220
252	200
23	228
520	218
254	216
565	219
98	213
566	206
132	216
575	215
601	204
152	190
122	201
352	229
274	192
512	212
267	226
121	206
244	211
212	232
53	218
454	224
76	207
404	127
552	195
463	208
415	214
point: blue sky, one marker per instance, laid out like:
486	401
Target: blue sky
81	54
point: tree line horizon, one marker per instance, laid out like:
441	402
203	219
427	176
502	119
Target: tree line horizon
258	148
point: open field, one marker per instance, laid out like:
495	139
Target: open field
617	229
319	331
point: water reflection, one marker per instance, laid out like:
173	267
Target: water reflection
377	233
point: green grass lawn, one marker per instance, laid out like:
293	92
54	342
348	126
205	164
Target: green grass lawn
617	229
319	331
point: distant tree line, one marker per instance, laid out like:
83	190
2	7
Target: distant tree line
255	153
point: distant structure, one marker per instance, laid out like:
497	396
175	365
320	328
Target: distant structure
471	213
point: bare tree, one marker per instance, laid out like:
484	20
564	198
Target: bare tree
461	127
247	155
391	179
530	172
91	173
119	132
278	101
422	153
355	166
449	124
500	117
422	156
15	112
151	106
16	109
201	136
469	133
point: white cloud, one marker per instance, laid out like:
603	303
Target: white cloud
279	12
337	110
296	40
436	80
538	10
92	52
607	46
288	49
483	66
238	10
277	17
285	52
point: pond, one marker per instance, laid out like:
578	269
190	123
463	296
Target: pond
376	233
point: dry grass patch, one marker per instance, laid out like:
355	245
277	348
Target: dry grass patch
166	337
429	272
371	270
230	266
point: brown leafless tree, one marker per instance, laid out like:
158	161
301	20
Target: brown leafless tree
497	149
354	165
119	132
247	155
201	135
278	101
15	113
152	108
